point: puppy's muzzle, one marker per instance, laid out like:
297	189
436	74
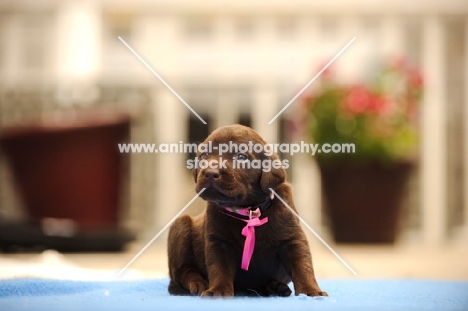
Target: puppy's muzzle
211	175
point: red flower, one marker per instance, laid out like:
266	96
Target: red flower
379	104
357	100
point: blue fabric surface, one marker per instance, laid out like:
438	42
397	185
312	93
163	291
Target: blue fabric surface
38	294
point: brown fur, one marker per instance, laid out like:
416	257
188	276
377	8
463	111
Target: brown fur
205	251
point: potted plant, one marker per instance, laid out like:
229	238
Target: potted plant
363	190
69	174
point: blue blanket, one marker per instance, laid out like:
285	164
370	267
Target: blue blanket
39	294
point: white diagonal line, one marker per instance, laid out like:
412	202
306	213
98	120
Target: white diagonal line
159	233
315	233
313	79
161	79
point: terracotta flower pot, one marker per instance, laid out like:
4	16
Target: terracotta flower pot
364	201
70	169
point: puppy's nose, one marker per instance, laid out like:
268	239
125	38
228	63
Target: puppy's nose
212	174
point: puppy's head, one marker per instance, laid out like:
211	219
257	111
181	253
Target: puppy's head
236	177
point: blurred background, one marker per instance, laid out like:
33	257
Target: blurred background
232	62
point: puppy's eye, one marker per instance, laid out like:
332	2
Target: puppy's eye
203	155
242	157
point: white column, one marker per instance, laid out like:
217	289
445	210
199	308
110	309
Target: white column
265	105
264	109
306	183
157	37
78	41
434	142
169	113
169	126
226	109
465	123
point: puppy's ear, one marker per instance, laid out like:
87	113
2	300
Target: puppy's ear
195	169
273	177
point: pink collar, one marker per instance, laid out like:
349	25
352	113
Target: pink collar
248	231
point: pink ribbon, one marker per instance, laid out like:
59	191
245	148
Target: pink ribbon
249	232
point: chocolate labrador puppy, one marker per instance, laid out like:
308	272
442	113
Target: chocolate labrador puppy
246	241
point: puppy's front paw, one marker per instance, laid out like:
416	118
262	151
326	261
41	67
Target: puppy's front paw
322	294
275	288
218	292
198	287
310	292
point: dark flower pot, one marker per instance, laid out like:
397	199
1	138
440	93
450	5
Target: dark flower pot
70	170
363	201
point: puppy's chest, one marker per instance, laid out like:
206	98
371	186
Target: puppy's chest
235	231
